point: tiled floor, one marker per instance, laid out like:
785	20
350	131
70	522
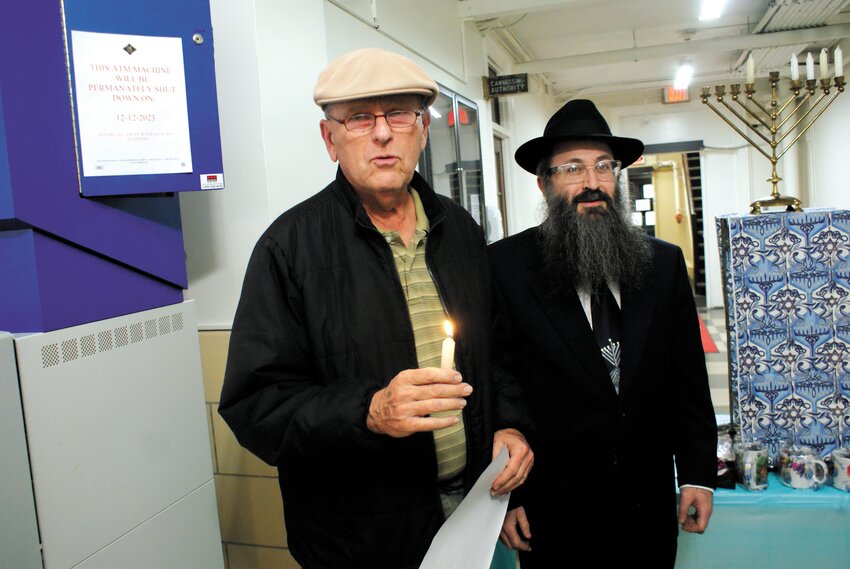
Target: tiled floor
717	363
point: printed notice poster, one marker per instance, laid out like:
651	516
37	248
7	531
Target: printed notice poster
130	95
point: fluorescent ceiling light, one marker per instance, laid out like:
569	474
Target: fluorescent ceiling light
435	113
683	75
711	9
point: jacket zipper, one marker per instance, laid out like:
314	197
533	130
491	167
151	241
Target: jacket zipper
388	254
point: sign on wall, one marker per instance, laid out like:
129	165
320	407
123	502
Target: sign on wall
142	96
131	104
506	85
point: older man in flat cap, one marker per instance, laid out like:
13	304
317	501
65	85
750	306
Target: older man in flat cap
599	323
334	372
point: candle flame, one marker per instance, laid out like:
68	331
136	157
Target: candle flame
447	326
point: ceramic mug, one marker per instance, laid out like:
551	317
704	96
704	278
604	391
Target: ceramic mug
841	468
801	467
751	464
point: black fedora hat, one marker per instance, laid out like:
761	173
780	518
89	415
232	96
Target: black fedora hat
577	120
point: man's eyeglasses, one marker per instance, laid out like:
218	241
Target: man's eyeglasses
605	170
364	122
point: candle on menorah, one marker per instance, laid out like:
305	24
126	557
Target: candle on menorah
776	115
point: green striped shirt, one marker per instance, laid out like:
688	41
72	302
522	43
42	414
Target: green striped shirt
427	316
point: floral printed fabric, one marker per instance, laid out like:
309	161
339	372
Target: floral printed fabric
787	294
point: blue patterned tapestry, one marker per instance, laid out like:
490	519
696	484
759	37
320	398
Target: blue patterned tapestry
787	294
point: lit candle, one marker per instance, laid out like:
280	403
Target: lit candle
795	71
810	66
839	62
447	359
751	69
824	66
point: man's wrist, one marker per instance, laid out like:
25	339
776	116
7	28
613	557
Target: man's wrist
371	413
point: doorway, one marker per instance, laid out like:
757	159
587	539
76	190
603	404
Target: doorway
499	226
666	199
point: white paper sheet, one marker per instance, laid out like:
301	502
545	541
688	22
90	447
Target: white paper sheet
468	538
131	101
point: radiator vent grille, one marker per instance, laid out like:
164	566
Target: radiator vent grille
106	340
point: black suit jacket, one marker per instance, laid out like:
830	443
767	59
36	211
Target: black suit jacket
603	462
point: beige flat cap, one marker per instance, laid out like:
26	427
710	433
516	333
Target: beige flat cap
370	72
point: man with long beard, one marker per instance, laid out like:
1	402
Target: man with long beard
599	323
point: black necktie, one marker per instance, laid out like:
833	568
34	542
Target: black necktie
606	327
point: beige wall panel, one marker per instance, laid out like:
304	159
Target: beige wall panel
250	557
250	510
231	457
213	361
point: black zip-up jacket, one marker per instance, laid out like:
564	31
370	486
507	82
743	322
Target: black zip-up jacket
322	324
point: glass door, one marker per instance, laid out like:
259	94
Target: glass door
469	159
452	159
441	151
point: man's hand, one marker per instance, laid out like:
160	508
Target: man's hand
520	460
701	500
402	407
510	536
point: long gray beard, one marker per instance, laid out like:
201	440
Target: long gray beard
599	246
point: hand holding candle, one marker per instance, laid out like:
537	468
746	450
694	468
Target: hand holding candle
447	360
417	400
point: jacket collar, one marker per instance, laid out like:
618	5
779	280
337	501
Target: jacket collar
434	209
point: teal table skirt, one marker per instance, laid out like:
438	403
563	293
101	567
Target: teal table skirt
779	528
503	558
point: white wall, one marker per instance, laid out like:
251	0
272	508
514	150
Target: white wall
267	56
830	152
290	45
219	227
431	30
830	149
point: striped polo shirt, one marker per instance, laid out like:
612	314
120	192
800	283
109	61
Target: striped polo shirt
427	316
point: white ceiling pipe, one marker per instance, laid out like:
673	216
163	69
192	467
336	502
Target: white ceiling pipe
482	9
754	41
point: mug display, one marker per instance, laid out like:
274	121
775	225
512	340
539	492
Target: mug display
841	468
801	467
751	465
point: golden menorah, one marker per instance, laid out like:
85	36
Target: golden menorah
771	117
